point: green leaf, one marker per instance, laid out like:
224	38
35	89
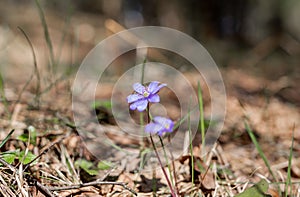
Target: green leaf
25	159
87	166
10	156
104	165
24	137
257	190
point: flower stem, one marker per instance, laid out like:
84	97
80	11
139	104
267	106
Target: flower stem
166	158
142	130
162	167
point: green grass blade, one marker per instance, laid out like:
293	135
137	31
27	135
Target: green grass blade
202	123
110	143
262	155
66	27
36	72
184	118
47	35
3	97
6	138
288	180
2	88
191	147
143	154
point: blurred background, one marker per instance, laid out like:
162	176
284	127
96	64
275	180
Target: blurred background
259	37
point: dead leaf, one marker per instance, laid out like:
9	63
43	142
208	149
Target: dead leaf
201	170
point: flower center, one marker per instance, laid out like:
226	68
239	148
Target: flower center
146	94
167	126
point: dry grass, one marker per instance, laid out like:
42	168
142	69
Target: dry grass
230	166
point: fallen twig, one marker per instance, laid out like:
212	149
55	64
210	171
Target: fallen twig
93	183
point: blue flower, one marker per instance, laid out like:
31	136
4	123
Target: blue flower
159	125
143	95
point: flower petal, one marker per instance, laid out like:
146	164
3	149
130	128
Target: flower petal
154	87
139	88
154	98
133	106
134	97
160	120
171	126
166	123
160	125
141	105
150	128
160	133
153	128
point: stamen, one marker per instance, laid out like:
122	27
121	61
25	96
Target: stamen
146	94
